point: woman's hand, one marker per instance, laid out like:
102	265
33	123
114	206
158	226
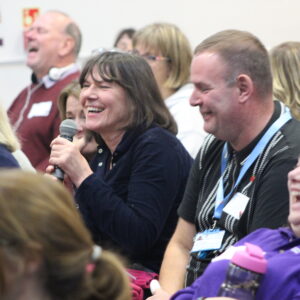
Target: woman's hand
67	156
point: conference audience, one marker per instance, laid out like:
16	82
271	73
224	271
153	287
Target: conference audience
168	53
46	252
52	45
285	64
130	192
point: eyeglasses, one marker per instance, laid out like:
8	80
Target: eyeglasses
152	58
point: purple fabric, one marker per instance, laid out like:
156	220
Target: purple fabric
282	280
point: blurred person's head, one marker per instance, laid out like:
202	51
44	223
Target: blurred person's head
70	108
119	92
168	52
46	252
124	39
53	40
285	65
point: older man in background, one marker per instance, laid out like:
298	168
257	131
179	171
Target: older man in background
52	44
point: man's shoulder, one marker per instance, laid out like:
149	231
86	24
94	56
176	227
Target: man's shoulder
291	132
66	80
210	148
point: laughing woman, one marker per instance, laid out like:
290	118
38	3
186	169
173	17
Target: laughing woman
130	192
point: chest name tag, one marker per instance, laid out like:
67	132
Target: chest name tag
208	240
41	109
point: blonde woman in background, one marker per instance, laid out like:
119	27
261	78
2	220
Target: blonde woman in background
285	64
10	153
70	107
168	52
46	252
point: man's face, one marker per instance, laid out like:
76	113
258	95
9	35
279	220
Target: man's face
45	39
217	100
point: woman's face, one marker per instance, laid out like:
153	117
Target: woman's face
125	43
294	191
160	67
105	104
74	111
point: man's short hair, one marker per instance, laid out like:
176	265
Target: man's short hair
243	53
73	30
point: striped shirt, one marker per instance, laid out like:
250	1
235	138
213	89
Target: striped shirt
265	183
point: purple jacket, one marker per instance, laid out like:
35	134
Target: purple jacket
282	280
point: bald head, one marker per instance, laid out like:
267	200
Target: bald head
53	40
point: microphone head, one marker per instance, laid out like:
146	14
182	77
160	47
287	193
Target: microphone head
68	127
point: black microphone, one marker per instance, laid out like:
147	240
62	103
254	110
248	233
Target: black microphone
67	130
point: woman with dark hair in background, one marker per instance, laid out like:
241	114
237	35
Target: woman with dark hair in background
124	39
130	192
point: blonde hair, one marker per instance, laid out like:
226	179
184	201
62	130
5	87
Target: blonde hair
72	89
169	41
38	219
7	135
285	65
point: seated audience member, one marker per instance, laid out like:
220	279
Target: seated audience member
70	107
285	65
282	250
168	52
124	39
52	45
129	194
46	252
8	142
238	181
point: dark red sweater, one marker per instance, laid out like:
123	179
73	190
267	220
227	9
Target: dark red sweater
40	124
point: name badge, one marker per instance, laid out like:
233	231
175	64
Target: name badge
208	240
236	206
41	109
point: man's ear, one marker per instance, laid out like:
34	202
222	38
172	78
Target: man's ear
245	86
67	46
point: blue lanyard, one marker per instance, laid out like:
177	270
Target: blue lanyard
220	200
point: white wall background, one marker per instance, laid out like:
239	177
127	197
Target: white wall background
273	21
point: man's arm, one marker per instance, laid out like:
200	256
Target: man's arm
176	257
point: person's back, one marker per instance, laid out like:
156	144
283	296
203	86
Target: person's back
53	43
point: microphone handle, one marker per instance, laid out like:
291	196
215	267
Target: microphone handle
58	172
